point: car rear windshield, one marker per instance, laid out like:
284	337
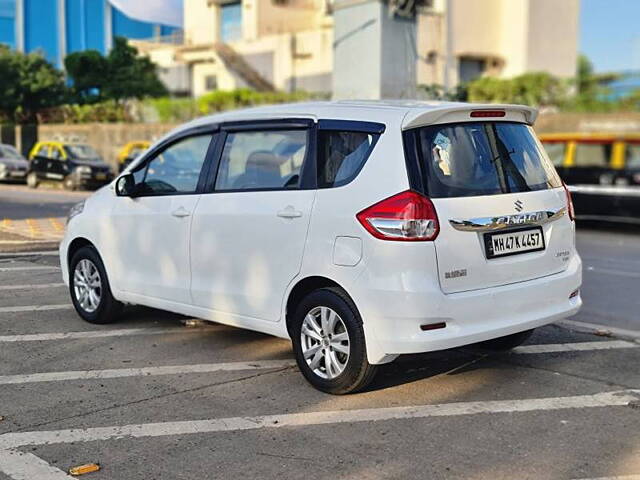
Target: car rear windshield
7	151
484	158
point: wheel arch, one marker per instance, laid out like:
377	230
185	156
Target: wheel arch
75	245
302	288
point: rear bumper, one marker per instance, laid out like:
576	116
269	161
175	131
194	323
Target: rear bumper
392	319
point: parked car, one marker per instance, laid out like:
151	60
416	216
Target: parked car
602	171
13	166
130	152
76	165
361	231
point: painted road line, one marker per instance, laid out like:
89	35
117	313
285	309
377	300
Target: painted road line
27	466
41	337
233	424
610	271
30	268
144	371
574	347
592	327
50	253
34	308
32	287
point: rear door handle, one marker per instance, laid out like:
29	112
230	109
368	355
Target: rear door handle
289	212
180	212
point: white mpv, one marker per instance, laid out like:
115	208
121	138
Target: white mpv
360	230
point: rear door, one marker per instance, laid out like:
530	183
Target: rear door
500	204
249	232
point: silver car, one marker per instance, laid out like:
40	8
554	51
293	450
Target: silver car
13	166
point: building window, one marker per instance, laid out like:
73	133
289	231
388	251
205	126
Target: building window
210	83
231	22
470	68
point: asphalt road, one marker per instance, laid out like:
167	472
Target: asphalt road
151	398
19	202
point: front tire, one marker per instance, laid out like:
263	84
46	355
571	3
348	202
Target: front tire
329	344
90	290
32	180
508	342
69	184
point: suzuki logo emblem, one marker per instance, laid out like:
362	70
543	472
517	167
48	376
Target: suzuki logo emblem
518	205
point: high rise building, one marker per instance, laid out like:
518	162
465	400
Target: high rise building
59	27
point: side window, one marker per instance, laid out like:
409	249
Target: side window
556	152
341	155
592	154
43	151
632	155
175	169
56	154
262	160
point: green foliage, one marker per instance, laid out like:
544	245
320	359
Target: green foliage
130	76
28	84
437	92
89	71
121	75
536	89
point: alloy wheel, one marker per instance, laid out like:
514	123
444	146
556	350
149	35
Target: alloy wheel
325	342
87	285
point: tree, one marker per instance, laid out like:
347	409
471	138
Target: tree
131	76
28	85
534	88
122	74
89	71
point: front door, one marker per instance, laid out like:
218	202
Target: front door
248	234
149	233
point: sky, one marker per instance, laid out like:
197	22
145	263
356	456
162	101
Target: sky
610	34
168	12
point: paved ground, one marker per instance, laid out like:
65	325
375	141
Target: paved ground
152	398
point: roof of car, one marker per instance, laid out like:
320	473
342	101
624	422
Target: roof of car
411	113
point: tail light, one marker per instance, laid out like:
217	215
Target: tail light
572	213
407	216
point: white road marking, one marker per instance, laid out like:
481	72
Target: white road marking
610	271
591	327
51	253
27	466
31	287
619	477
143	371
574	347
35	308
39	337
605	399
25	269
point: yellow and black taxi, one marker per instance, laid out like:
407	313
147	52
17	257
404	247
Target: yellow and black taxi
130	152
602	171
76	165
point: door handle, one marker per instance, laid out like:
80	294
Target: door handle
289	212
180	212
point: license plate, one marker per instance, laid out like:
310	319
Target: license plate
514	242
18	174
101	176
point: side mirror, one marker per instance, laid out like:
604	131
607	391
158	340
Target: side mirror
126	186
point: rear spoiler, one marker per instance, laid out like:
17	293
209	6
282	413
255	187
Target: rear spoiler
463	113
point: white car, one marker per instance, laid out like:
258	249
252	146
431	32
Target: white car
360	230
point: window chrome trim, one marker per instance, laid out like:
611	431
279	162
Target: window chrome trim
489	224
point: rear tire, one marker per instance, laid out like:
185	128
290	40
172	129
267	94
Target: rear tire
32	180
508	342
329	344
90	290
69	184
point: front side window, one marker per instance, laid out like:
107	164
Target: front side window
341	155
262	160
592	154
485	158
81	152
176	169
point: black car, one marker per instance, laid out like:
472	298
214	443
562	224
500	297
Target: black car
76	165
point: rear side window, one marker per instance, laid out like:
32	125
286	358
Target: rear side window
593	154
483	158
258	160
341	155
632	155
556	152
